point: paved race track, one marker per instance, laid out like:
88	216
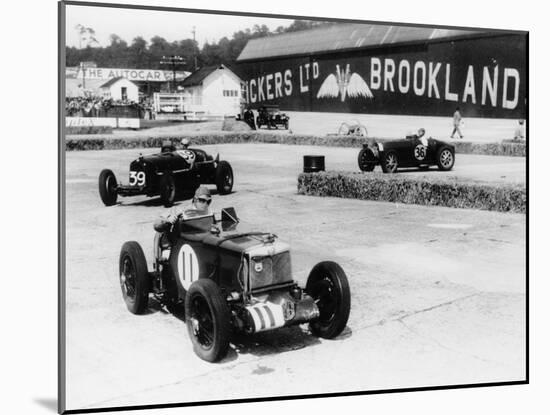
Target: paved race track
438	294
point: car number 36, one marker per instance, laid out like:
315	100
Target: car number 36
420	152
137	178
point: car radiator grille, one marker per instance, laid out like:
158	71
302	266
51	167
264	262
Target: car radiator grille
270	270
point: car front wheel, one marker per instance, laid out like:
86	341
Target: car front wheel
134	277
366	160
208	320
328	285
107	187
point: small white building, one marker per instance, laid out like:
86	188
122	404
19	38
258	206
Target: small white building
213	90
120	89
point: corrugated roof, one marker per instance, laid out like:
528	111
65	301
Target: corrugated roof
340	36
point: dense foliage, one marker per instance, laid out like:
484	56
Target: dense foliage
236	135
142	54
442	191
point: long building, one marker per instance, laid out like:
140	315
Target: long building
389	69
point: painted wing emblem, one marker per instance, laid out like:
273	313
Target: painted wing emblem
329	88
358	87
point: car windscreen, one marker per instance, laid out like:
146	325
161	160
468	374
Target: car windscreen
194	225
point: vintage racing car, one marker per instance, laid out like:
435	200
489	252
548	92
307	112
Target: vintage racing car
166	173
271	116
231	282
411	151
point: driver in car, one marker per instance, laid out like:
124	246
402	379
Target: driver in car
200	206
421	135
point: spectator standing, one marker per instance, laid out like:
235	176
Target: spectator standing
457	120
519	132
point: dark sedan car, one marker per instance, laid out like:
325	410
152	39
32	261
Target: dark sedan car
412	151
272	117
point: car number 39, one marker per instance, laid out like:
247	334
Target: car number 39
420	152
137	178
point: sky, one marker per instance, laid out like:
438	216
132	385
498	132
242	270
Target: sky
130	23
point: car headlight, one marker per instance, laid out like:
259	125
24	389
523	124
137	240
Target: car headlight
380	146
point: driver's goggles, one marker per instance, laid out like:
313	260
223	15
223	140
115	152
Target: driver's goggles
202	200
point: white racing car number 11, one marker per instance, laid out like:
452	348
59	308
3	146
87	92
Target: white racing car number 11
137	178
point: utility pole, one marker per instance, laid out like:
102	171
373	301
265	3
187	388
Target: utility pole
195	42
173	61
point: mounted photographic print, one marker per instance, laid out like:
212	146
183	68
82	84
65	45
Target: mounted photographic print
262	207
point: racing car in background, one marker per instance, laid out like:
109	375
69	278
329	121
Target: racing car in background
165	173
411	151
231	281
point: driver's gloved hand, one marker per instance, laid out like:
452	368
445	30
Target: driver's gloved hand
162	225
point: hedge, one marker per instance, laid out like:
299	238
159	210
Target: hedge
89	129
112	143
448	191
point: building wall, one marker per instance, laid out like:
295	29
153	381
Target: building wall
221	93
485	77
115	90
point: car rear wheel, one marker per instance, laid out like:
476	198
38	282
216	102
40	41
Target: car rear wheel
167	189
366	160
107	187
134	277
328	285
208	320
389	162
224	178
445	159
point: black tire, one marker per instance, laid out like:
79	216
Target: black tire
134	277
208	322
224	178
445	158
389	162
328	285
366	160
167	189
107	187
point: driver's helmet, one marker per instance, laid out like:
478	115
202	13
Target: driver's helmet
421	132
203	194
185	142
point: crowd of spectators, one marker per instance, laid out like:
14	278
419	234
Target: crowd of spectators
93	106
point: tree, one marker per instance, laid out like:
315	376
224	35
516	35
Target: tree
86	36
138	56
141	54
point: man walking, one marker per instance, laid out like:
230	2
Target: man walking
457	119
